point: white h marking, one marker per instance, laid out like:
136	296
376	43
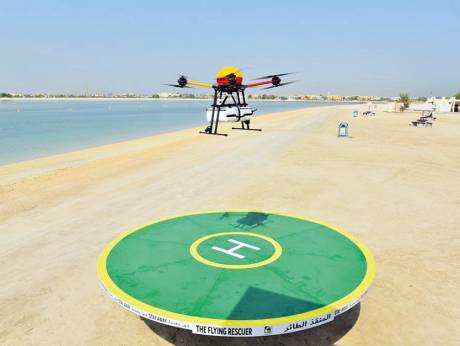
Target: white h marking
232	251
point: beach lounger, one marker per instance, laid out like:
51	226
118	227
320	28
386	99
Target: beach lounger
428	117
423	123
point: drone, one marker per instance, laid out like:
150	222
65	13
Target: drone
229	103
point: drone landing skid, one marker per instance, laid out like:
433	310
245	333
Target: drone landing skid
247	128
206	132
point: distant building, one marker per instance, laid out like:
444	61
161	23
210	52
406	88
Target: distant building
394	107
443	104
168	94
335	97
424	106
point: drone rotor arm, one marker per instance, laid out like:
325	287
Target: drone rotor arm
259	83
200	84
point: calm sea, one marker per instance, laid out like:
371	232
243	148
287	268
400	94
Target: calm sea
31	129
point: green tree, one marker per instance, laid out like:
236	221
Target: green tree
457	96
5	95
155	96
405	100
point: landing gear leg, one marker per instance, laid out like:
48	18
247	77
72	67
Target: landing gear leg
211	129
245	122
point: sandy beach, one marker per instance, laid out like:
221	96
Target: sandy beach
393	186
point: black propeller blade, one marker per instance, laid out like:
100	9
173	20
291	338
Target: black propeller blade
181	82
274	75
179	86
240	70
232	77
281	84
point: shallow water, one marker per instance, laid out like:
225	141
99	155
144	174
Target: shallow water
31	129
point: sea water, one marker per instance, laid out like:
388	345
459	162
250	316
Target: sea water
31	129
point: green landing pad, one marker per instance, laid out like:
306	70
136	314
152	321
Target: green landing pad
239	273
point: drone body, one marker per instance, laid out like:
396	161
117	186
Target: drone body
225	76
229	83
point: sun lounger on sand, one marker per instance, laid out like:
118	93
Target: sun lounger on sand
421	122
428	117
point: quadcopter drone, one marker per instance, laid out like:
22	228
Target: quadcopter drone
229	104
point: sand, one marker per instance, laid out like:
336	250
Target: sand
395	187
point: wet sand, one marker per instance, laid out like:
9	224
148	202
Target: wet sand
395	187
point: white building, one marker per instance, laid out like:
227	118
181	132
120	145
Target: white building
168	94
418	107
443	104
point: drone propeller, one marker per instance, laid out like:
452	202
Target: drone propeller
181	82
274	75
179	86
232	77
183	76
240	70
280	84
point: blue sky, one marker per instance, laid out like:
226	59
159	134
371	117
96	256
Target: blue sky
338	47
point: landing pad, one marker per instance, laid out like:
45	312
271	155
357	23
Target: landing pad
239	273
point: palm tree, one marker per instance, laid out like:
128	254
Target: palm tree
405	99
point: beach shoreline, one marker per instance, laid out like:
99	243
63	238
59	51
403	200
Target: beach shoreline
126	141
147	98
393	186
